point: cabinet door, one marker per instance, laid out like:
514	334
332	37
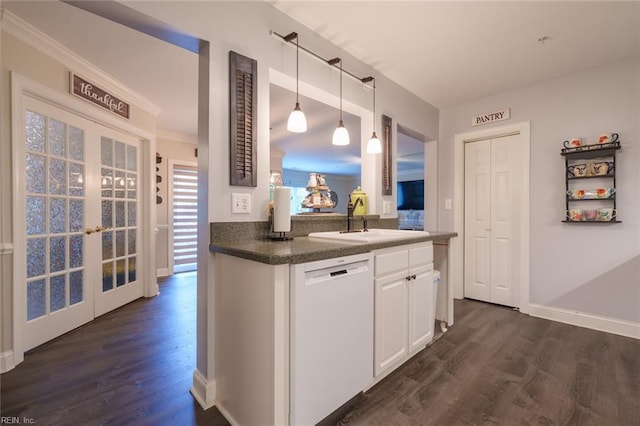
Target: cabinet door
420	307
391	314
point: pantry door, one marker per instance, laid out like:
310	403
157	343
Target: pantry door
76	221
492	220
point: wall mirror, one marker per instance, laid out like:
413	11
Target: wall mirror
417	171
410	189
295	155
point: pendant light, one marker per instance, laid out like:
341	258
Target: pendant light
374	146
340	134
297	122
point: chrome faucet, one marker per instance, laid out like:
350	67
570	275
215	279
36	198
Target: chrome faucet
350	208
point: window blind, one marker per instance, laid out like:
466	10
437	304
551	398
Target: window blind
185	218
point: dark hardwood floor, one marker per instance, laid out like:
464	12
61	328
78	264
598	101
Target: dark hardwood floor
132	366
495	366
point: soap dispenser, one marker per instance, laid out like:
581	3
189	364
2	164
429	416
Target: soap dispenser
360	208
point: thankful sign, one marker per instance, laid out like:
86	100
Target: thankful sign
479	120
89	91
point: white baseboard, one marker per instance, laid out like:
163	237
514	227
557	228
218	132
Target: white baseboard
6	361
226	415
164	272
581	319
203	391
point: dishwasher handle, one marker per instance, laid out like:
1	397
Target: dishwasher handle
329	274
338	273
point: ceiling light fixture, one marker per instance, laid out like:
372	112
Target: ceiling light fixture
340	134
297	122
374	146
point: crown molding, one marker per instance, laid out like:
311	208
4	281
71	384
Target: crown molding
22	30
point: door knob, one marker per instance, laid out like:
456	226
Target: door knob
98	228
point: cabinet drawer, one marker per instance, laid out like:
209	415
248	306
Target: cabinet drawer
391	261
421	254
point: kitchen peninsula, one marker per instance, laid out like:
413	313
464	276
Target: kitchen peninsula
254	323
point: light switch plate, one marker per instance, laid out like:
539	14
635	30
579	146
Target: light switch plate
386	207
447	204
241	203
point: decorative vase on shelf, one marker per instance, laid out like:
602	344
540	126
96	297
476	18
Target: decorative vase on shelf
313	181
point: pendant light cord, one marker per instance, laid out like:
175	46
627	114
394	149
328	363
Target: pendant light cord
374	105
297	66
340	89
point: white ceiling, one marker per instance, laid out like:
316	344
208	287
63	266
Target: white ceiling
450	52
446	53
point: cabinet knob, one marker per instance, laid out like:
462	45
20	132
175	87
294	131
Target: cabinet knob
413	276
408	278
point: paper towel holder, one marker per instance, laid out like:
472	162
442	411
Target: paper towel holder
277	236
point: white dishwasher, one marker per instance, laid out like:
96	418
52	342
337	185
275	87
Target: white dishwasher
331	335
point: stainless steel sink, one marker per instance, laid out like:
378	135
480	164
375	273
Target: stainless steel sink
374	235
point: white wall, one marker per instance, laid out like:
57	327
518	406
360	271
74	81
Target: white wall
245	28
586	268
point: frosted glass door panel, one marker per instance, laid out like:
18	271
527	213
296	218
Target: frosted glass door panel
53	199
48	214
119	170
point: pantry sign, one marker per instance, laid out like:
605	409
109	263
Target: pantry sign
479	120
89	91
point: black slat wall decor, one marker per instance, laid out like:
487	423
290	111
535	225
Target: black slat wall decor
243	102
387	164
158	179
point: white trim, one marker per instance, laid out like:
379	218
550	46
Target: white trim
29	34
163	272
6	248
581	319
457	244
203	390
6	361
225	413
22	86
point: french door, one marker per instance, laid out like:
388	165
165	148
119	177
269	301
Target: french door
77	247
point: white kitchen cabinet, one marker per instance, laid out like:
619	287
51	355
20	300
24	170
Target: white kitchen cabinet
391	321
403	304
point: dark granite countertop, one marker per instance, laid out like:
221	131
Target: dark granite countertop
305	249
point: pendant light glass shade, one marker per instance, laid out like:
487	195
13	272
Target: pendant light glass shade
340	135
297	122
374	146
